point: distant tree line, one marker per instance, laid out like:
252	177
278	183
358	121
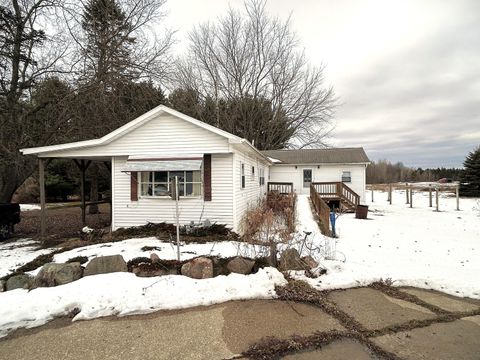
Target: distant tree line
383	171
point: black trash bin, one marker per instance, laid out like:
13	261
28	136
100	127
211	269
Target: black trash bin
361	212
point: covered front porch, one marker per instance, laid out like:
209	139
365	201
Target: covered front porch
82	165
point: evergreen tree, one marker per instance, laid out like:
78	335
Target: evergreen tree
470	183
108	42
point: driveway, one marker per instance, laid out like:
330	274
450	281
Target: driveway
387	324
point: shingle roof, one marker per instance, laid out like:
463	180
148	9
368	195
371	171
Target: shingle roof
319	156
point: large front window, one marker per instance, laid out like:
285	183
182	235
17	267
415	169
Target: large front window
157	183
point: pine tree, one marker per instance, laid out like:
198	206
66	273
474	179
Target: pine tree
108	43
470	183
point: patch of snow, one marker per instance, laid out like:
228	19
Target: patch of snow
274	160
413	246
126	294
28	207
14	254
87	230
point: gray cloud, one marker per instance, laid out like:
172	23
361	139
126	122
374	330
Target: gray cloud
420	105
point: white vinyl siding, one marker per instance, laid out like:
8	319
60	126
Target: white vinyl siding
164	135
321	173
136	213
252	192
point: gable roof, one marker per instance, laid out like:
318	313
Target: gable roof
319	156
130	126
134	124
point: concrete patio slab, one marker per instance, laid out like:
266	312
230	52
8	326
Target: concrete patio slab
457	340
375	310
188	335
247	322
443	301
338	350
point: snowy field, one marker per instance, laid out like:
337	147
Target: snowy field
17	253
413	246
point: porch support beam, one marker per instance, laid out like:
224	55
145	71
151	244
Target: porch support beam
83	166
43	208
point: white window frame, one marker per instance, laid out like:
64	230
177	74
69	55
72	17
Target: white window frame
242	175
261	176
349	177
153	183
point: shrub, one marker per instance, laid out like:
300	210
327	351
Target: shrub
271	222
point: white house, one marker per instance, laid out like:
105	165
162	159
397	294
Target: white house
220	174
302	167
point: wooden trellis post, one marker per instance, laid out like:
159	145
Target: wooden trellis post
406	193
429	195
390	193
436	199
372	193
457	194
411	196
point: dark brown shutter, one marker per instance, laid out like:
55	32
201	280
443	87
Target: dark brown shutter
207	177
134	186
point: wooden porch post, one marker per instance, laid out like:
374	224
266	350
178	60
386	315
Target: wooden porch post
82	165
82	191
109	168
43	209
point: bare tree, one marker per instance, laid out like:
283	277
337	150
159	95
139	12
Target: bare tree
28	54
251	54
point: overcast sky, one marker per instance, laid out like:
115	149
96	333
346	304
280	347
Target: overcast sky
407	72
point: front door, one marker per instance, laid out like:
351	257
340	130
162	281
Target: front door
307	179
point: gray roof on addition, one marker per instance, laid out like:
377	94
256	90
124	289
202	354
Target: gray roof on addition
318	156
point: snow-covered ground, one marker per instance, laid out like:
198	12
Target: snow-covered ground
126	294
417	247
28	207
412	246
17	253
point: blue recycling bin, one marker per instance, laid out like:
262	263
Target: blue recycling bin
332	221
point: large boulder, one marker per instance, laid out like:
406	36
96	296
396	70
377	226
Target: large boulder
58	274
240	265
154	258
22	281
290	260
198	268
105	265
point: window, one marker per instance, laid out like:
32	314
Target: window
157	183
242	175
253	172
346	176
261	176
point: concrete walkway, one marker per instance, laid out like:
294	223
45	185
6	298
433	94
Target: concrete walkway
225	330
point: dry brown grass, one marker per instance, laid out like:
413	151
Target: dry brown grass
62	223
